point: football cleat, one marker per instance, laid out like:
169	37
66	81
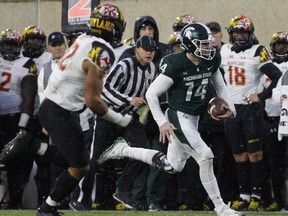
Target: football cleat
115	151
274	206
227	211
18	145
240	205
255	205
125	198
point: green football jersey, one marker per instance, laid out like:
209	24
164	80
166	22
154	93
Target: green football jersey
187	94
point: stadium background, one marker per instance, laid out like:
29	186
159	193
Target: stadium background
269	16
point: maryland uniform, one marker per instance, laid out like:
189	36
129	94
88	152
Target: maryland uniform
66	83
242	73
12	73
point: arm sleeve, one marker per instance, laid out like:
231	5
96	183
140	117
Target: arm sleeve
273	72
160	85
222	90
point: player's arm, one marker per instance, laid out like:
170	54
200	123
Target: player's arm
28	93
93	89
160	85
222	90
274	73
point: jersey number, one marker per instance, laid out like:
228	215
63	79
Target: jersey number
236	76
200	91
68	55
6	79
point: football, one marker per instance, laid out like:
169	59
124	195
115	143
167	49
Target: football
215	106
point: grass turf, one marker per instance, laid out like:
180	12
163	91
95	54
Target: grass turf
133	213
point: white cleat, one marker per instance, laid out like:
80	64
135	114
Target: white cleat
115	151
227	211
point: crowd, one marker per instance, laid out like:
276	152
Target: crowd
73	103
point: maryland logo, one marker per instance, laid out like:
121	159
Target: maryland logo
102	24
264	55
100	57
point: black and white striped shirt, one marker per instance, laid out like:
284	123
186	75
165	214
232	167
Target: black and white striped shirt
128	79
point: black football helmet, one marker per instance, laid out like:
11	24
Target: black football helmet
241	24
182	21
10	44
280	55
197	39
107	21
33	50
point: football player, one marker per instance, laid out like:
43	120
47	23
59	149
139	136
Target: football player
17	95
76	83
244	62
275	149
184	77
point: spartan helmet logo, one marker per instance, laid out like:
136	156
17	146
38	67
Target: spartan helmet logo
284	112
188	32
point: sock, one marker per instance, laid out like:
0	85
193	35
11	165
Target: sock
141	154
246	197
209	182
257	178
51	202
64	186
42	149
244	177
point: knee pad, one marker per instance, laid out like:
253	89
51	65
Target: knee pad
160	161
207	154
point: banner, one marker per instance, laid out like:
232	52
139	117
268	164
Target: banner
76	14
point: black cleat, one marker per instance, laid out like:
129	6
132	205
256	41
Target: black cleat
51	211
78	206
125	198
19	145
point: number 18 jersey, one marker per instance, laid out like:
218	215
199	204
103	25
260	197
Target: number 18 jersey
241	71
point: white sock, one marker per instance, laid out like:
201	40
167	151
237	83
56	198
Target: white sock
246	197
51	202
141	154
210	184
42	149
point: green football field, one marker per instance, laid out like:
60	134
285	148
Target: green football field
133	213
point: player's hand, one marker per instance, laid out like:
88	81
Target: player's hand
138	101
228	114
166	132
252	98
282	98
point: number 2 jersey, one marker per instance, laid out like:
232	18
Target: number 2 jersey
66	86
11	75
242	71
190	81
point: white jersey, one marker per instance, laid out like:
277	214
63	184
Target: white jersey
11	75
241	71
66	83
271	109
42	60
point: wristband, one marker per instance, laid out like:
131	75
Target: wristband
112	116
24	118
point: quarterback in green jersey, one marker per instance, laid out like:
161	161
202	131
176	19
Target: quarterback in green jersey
184	77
